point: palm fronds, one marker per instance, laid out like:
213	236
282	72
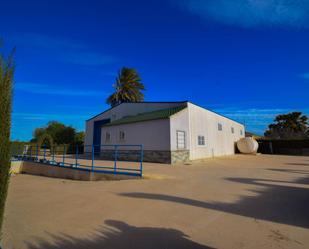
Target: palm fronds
128	87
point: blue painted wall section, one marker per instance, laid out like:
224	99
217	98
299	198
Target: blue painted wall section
97	127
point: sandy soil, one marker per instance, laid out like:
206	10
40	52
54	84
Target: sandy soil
232	202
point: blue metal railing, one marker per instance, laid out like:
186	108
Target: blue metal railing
110	159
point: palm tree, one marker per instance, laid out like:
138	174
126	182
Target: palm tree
6	84
128	87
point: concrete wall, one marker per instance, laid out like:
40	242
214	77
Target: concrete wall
217	143
40	169
16	167
153	134
122	110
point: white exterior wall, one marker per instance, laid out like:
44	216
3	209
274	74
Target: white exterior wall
217	143
124	109
161	134
153	134
180	122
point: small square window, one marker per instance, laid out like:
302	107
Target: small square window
122	136
219	127
107	137
201	140
232	130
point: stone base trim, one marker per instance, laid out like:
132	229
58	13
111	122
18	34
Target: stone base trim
153	156
180	156
157	156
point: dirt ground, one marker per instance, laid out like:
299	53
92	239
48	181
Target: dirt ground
231	202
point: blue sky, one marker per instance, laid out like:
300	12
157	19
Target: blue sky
247	59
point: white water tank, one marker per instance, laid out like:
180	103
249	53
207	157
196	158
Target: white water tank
247	145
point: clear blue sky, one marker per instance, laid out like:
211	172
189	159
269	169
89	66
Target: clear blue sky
246	59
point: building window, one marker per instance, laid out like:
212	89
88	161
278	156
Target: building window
201	140
219	127
232	130
107	137
181	139
122	136
240	132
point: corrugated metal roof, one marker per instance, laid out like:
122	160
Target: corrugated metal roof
160	114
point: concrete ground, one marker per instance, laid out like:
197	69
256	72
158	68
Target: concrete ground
231	202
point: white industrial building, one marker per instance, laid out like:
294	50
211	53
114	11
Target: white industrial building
169	131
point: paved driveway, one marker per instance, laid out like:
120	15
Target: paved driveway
231	202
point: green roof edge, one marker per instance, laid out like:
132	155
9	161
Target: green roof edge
148	116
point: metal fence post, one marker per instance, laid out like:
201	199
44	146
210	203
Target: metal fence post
115	158
20	149
76	156
142	158
37	152
271	148
92	158
63	155
53	158
30	152
44	153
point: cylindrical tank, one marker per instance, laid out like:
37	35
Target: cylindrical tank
247	145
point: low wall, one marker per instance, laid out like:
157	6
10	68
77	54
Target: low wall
41	169
284	147
292	151
16	167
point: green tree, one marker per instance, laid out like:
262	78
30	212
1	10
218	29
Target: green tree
128	87
79	138
45	140
60	133
56	130
39	132
6	86
288	126
66	135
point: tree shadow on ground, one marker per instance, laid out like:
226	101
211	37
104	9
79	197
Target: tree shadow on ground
120	235
273	202
298	164
296	171
304	180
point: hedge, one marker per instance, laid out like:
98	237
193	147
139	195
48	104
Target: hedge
6	82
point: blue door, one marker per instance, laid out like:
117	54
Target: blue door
97	127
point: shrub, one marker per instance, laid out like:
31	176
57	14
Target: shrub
6	84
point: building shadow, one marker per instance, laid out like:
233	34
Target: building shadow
120	235
276	201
